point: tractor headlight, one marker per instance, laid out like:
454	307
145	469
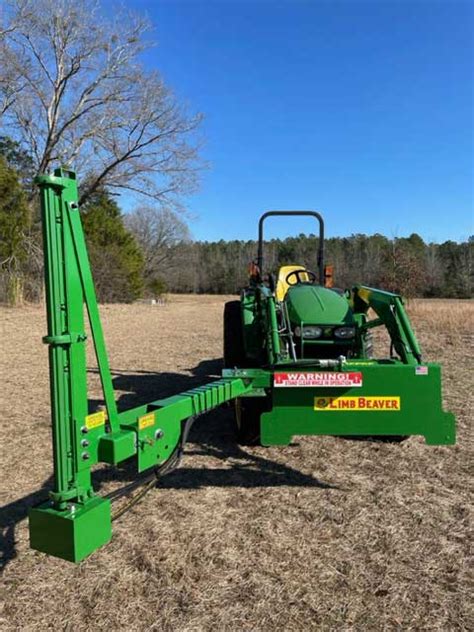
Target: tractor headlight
345	333
309	332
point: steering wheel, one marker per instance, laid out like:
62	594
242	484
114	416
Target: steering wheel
299	276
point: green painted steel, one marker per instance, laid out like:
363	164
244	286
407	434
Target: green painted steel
74	522
318	305
394	397
273	338
116	447
66	339
80	252
293	412
158	424
71	534
391	313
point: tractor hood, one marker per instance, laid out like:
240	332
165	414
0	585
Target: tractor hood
316	305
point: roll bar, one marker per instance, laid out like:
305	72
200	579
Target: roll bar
320	261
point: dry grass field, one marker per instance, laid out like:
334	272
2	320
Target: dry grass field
327	534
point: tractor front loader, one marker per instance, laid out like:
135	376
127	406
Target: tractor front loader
298	361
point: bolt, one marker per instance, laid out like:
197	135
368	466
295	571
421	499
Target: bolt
159	434
85	443
85	456
84	429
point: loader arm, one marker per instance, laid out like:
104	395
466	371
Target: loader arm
391	313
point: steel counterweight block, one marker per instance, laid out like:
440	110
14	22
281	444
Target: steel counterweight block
71	534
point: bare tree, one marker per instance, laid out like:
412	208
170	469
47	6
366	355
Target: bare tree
157	231
73	92
11	83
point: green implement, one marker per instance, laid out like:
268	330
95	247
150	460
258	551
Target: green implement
298	361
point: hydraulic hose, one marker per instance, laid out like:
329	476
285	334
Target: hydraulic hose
151	481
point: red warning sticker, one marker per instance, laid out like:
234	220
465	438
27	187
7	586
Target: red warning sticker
318	380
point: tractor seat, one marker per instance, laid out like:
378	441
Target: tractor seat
282	286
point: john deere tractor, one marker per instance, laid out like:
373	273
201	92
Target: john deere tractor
316	342
297	362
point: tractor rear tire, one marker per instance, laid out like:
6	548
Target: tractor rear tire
234	350
247	418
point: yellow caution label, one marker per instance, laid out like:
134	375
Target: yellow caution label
326	404
146	421
95	420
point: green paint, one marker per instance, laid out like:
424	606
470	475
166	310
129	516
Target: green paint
116	447
313	304
420	413
66	339
74	533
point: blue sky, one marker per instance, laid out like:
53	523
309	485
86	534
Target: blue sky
361	110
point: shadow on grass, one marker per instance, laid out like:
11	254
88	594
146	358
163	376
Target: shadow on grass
212	435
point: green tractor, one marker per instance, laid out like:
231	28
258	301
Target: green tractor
316	339
297	362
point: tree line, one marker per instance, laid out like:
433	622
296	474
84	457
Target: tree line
149	251
405	265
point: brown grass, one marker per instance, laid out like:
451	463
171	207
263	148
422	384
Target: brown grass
327	534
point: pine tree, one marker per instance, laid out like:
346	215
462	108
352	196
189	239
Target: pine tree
116	260
18	159
14	222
